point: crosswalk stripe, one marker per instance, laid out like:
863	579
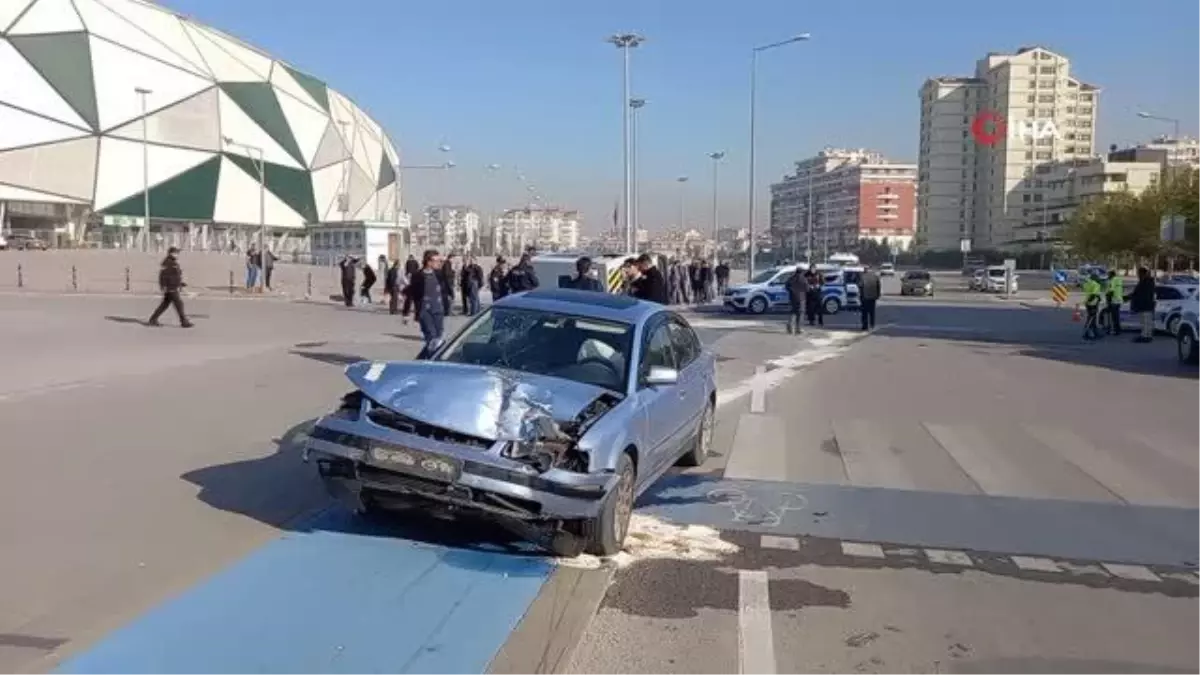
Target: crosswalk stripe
781	543
860	550
756	642
941	557
1131	572
1035	564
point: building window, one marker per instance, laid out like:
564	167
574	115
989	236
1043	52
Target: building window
1043	155
1045	98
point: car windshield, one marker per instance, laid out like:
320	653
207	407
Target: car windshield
576	348
764	277
917	276
996	272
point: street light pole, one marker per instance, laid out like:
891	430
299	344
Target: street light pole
635	105
142	92
716	158
1174	122
682	180
626	42
753	103
262	208
808	216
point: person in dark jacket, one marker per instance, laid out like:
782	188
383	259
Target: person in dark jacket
470	280
411	267
448	279
650	284
1142	302
391	287
585	277
706	281
170	280
870	288
368	283
349	267
268	261
429	299
522	277
722	273
814	310
498	279
797	288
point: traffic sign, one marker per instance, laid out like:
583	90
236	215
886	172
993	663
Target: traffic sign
1059	293
1060	276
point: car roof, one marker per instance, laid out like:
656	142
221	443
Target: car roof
589	304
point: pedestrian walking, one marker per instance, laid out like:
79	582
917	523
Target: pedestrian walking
870	288
585	277
814	309
470	281
1115	294
349	268
797	288
368	283
1093	295
429	299
170	281
411	267
391	286
1142	302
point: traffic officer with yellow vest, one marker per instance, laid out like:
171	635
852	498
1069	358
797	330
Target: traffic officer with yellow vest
1115	296
1093	295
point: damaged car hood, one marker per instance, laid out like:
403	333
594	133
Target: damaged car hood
490	403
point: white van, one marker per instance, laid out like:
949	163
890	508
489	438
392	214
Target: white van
554	269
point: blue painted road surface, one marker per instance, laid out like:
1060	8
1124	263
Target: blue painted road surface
338	596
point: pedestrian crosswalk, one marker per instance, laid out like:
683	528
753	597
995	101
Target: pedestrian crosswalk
1039	460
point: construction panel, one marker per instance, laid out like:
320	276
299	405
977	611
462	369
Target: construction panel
331	151
20	129
293	186
307	125
120	168
24	87
223	66
119	71
163	26
242	129
48	16
103	22
238	195
251	58
67	168
189	196
190	123
315	88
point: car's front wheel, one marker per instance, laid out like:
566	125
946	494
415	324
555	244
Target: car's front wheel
605	534
1173	324
1186	341
832	306
757	305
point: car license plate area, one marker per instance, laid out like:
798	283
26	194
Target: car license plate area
416	463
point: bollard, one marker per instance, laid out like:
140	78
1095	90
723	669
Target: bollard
126	279
231	282
308	290
20	276
74	279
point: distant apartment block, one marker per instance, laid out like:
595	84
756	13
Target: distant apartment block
847	195
550	229
976	188
452	227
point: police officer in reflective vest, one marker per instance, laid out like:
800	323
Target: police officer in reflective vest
1116	296
1093	294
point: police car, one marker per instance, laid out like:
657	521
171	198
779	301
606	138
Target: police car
767	290
1169	303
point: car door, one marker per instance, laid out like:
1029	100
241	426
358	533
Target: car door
692	387
659	406
1166	300
777	289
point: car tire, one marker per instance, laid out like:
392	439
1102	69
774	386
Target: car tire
605	534
1186	342
702	445
832	306
757	305
1173	324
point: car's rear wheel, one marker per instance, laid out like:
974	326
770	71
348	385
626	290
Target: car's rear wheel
605	534
703	443
757	305
1173	325
1186	341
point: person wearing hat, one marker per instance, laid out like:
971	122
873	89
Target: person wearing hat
170	280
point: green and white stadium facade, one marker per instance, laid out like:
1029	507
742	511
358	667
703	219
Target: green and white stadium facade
83	82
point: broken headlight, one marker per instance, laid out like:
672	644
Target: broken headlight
546	455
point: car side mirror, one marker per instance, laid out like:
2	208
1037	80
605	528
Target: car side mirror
661	376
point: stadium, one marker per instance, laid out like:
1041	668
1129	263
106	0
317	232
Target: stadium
112	107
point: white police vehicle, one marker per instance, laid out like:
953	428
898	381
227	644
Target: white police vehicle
767	290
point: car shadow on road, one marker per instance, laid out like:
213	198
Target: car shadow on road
331	358
284	492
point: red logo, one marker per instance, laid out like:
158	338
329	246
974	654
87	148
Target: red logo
988	127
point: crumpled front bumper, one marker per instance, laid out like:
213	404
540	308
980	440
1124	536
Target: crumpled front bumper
489	483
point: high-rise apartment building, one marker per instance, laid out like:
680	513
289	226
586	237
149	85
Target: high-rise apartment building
551	229
455	228
982	138
851	195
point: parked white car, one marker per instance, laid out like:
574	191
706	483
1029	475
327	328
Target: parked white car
1169	301
1185	339
993	281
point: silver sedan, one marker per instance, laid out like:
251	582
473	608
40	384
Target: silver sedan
551	411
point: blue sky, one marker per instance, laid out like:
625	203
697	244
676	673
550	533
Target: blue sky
532	84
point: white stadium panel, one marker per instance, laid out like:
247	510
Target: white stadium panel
362	187
164	26
223	66
237	125
327	184
252	59
19	129
331	150
365	120
23	87
339	108
238	196
9	11
387	203
308	125
117	71
10	193
368	160
369	210
392	155
190	123
41	167
48	16
283	80
119	172
103	22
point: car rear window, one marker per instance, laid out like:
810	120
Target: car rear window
919	276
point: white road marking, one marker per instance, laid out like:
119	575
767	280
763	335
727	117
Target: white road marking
836	344
725	324
781	543
1131	572
862	550
758	391
1035	564
756	642
948	557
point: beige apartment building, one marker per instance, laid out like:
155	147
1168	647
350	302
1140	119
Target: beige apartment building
982	139
1068	184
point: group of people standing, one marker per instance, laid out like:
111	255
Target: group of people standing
691	282
1102	299
259	264
805	291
